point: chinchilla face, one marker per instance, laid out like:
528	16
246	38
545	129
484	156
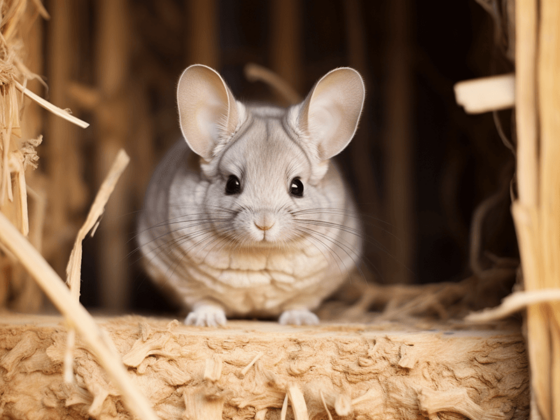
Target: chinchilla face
263	177
262	165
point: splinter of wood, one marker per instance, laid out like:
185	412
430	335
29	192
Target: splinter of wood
213	369
298	403
325	405
246	368
486	94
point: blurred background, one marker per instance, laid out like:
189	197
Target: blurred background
419	166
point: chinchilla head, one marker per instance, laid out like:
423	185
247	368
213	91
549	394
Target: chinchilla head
262	164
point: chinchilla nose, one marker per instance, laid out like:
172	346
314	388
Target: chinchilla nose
264	220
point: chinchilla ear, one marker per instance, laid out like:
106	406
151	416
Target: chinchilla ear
207	109
330	113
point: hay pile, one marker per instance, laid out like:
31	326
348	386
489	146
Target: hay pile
18	140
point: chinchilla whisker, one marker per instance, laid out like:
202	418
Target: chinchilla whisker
315	234
180	260
338	226
346	212
356	259
216	239
344	228
178	220
343	246
178	240
369	224
184	218
366	223
324	234
217	208
223	242
186	251
156	251
366	238
310	238
169	232
186	224
374	224
205	235
130	213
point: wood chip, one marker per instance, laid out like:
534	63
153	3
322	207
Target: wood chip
246	368
486	94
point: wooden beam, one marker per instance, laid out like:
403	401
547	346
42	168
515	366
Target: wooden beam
113	131
360	150
203	43
66	190
398	140
286	42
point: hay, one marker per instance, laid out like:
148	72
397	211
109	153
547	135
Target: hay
17	153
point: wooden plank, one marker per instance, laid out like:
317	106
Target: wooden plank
113	125
398	139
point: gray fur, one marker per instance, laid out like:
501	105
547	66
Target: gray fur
205	246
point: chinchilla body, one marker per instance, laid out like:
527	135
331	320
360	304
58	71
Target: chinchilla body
249	216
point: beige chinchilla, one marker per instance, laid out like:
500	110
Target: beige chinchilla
247	215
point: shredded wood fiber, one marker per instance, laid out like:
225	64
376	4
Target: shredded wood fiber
246	370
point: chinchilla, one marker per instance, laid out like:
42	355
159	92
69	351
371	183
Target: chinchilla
247	215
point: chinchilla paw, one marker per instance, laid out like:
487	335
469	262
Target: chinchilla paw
298	317
206	316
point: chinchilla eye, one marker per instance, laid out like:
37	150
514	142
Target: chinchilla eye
233	186
296	187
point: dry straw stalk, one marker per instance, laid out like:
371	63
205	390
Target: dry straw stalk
76	315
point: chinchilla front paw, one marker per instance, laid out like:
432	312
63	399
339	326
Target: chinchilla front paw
206	316
298	317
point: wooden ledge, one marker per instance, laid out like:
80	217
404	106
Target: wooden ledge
253	369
